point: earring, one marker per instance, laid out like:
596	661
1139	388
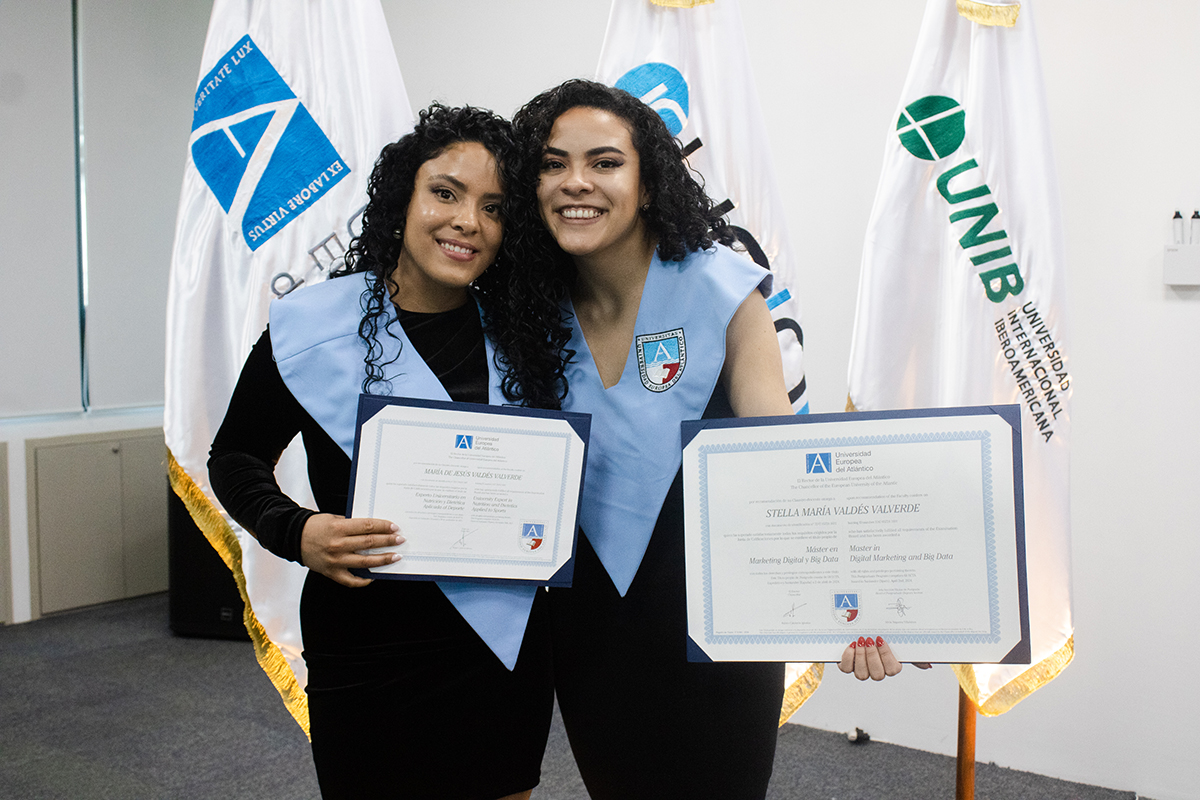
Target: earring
397	234
645	208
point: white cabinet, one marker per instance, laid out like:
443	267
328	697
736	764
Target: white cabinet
98	518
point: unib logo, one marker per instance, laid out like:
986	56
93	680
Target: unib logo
818	463
257	147
931	129
661	359
464	441
663	88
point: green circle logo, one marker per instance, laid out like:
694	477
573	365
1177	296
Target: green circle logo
932	127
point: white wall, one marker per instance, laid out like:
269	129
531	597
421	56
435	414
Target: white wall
495	55
139	62
1121	79
39	304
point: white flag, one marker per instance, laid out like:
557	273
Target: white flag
691	66
294	102
962	298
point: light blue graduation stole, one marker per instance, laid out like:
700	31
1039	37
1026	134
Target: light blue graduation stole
314	336
672	368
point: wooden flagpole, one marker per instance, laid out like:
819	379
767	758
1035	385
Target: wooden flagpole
965	786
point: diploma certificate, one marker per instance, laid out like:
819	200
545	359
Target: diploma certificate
479	492
804	533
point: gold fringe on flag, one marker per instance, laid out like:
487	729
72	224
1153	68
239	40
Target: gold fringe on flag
682	3
1003	15
801	689
223	540
1019	687
1024	684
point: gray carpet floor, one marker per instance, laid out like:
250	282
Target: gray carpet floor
106	703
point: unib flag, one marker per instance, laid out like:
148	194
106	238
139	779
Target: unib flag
961	300
687	60
294	102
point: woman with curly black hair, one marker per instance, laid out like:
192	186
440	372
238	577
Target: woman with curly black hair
429	304
667	326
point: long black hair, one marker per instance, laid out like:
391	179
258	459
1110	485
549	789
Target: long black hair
519	299
680	215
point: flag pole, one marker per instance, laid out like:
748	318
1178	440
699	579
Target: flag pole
965	786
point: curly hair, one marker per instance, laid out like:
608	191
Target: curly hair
519	300
681	216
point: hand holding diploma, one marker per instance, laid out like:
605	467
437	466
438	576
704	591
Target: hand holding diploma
871	658
330	544
481	492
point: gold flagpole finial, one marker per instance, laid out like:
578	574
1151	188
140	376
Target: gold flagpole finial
682	3
1002	14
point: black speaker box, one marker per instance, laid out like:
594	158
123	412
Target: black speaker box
204	599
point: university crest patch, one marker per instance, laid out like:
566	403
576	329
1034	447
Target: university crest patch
661	359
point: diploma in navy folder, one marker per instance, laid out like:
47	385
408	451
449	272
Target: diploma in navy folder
481	493
804	533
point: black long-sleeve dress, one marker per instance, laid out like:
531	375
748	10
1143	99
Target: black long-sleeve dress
405	699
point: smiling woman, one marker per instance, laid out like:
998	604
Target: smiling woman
591	193
667	325
427	306
452	231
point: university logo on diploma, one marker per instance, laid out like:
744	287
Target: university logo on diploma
845	608
818	462
532	534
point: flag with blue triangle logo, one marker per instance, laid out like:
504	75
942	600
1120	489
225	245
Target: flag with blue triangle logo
293	103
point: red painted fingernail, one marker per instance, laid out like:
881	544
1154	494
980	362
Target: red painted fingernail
853	644
862	642
879	641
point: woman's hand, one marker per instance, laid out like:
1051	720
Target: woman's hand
871	658
329	544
